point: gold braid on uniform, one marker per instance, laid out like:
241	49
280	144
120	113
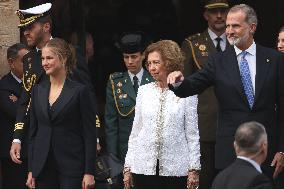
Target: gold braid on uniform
193	54
113	92
27	21
31	81
98	122
28	107
19	126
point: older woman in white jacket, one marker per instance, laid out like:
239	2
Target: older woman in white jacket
163	148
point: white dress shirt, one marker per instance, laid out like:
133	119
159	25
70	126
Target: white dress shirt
139	75
251	58
213	37
164	129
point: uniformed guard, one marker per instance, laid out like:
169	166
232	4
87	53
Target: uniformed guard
35	18
197	48
121	93
36	24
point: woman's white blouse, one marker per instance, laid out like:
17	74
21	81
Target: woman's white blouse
164	128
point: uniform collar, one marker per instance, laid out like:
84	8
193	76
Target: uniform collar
213	36
139	75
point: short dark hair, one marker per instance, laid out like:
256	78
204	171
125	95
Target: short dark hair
12	51
281	29
249	136
45	19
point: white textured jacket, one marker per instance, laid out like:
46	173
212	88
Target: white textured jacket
164	128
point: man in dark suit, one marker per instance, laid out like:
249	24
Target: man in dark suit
251	149
36	24
197	48
13	175
248	81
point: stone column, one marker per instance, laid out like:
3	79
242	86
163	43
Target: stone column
9	33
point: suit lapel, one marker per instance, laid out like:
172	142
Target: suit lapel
65	96
43	95
262	68
128	86
231	63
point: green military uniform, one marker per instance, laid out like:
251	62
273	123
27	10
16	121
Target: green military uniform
197	48
119	111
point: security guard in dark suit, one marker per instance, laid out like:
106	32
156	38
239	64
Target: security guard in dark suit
13	175
36	24
197	48
121	94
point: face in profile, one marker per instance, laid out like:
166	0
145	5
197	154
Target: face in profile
17	63
51	63
156	66
34	34
237	29
133	62
280	43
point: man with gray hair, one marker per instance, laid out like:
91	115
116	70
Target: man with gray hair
248	80
251	149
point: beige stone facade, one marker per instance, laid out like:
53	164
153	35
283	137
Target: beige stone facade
9	33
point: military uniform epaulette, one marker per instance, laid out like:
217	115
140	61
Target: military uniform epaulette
194	36
199	45
116	75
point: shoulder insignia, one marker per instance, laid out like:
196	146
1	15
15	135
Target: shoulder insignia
202	47
116	75
193	36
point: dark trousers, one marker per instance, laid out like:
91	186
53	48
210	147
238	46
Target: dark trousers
158	182
207	160
51	178
14	176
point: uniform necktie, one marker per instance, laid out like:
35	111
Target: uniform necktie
246	79
218	46
135	84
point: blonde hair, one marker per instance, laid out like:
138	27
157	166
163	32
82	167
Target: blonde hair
170	52
64	51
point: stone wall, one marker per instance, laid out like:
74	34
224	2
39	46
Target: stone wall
9	33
